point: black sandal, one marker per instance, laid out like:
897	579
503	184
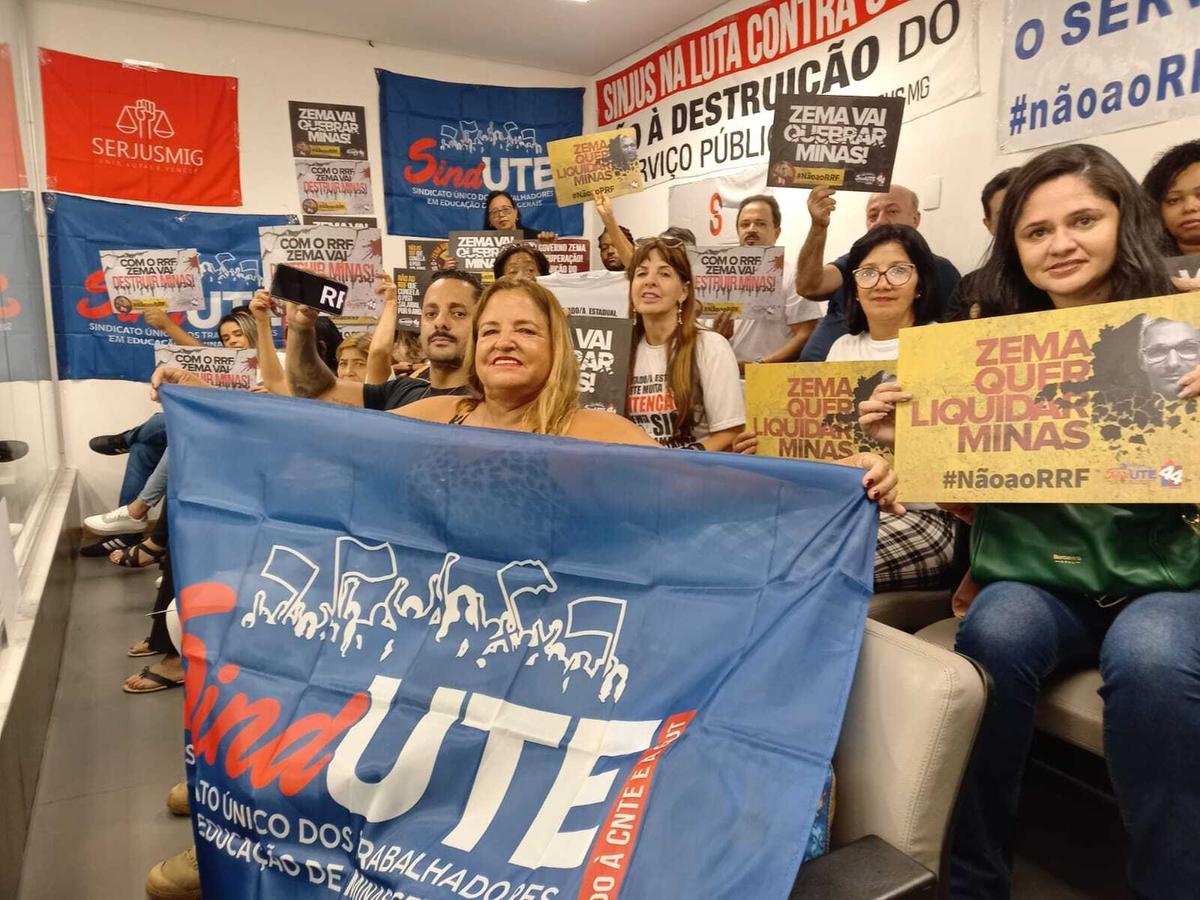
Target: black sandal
128	557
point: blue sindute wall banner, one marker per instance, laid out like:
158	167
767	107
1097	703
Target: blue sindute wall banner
93	339
445	145
459	665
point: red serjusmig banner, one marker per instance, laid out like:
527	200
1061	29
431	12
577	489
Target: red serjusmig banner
114	130
12	160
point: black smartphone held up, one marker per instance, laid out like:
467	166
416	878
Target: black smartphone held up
297	286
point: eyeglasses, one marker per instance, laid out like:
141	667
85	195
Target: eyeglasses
662	239
1188	351
500	210
900	273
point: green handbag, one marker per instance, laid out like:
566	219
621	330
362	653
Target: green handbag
1107	553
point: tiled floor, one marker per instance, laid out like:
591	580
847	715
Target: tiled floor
100	821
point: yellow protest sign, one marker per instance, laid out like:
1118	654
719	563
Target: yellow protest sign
604	163
810	410
1075	405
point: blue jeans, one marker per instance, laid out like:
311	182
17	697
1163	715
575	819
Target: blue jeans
156	485
147	444
1149	657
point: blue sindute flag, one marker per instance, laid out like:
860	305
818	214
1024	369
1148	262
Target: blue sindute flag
451	663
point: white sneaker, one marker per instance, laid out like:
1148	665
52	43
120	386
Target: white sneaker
114	522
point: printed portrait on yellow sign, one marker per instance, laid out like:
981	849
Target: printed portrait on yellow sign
592	165
810	410
1075	405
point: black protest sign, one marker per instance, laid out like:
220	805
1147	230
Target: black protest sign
476	251
847	143
425	253
328	130
602	347
410	288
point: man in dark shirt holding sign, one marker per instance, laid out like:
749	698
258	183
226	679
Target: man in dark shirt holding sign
446	312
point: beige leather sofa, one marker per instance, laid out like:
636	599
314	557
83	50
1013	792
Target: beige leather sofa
909	730
1070	708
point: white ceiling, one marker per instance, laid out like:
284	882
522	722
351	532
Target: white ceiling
563	35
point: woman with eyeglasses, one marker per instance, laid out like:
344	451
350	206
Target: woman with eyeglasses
500	213
896	286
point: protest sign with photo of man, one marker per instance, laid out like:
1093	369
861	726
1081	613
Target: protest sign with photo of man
593	165
1072	405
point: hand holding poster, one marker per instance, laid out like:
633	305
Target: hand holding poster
352	256
826	141
595	165
454	667
217	367
810	410
1076	405
476	251
138	280
602	348
744	281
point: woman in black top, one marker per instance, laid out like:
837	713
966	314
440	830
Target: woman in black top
500	213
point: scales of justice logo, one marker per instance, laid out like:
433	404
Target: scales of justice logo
146	119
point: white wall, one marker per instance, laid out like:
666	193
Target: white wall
957	144
273	66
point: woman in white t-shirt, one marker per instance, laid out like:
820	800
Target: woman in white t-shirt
895	277
683	380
